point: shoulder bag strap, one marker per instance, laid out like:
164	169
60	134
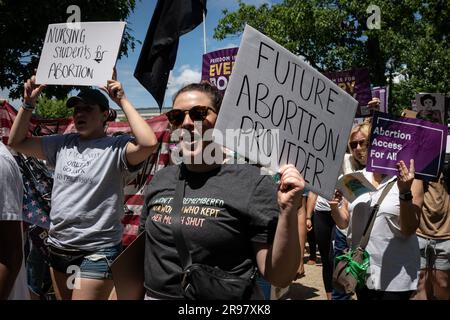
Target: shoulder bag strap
373	215
180	243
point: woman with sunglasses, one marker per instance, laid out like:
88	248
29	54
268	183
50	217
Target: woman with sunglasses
357	144
393	246
233	217
353	161
318	210
87	196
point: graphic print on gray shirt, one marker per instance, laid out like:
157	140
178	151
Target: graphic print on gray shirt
87	195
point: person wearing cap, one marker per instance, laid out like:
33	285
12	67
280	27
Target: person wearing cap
87	196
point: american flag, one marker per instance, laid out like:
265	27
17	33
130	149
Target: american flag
134	191
38	183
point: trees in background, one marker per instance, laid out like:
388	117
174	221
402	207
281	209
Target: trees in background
23	25
410	51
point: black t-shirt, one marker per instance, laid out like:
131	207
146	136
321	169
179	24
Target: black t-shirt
224	211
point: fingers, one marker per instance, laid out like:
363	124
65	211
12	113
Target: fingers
41	87
104	88
405	174
114	75
411	166
290	178
114	89
374	103
401	168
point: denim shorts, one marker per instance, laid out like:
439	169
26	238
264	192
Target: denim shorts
434	253
92	264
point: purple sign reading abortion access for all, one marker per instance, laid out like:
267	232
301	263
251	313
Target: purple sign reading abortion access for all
395	138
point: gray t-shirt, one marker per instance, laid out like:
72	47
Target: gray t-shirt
11	187
87	195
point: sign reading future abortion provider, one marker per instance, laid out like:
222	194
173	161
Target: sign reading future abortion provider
79	56
395	138
277	109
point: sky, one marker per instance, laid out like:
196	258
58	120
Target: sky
188	64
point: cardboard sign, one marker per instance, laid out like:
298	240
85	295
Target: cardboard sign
277	109
431	107
84	56
217	67
395	138
355	82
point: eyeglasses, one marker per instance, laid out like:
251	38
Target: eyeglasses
361	143
196	113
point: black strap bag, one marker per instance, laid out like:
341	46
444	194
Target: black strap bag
350	271
201	281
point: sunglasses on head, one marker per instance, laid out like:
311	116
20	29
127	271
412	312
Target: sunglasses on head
196	113
354	144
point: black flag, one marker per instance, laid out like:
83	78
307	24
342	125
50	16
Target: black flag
171	19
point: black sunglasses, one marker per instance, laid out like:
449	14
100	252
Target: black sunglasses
196	113
354	144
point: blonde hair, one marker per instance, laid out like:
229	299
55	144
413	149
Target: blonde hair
364	128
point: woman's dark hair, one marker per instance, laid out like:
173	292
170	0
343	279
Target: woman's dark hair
427	97
204	87
112	115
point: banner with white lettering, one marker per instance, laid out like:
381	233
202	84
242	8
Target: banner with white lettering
79	56
277	109
396	138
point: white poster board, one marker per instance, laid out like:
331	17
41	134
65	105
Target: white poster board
79	56
271	88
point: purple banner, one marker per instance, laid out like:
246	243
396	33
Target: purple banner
355	82
395	138
217	67
381	93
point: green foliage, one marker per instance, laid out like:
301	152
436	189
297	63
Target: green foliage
23	26
333	35
52	108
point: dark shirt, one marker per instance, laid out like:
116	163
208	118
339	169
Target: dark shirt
224	212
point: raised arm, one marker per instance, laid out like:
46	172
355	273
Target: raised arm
279	262
145	140
411	190
31	146
339	210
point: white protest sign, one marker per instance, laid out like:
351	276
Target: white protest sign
80	56
275	93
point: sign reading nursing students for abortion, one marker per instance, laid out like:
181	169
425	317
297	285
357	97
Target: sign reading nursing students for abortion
217	67
79	56
396	138
277	109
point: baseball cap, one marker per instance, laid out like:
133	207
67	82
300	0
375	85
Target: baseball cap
91	97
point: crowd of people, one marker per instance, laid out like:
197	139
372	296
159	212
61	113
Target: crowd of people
230	215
